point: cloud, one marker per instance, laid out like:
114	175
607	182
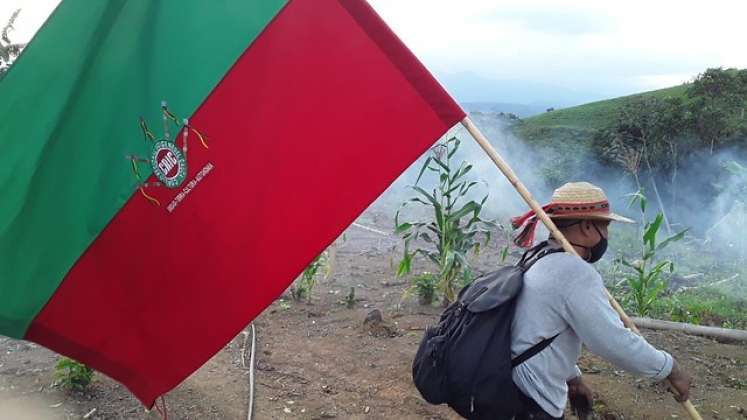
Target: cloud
581	44
612	48
552	21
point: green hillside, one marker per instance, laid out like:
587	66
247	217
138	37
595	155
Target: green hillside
666	126
594	115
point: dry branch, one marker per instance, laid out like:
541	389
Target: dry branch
715	332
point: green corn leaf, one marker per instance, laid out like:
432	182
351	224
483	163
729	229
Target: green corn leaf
439	218
460	259
465	171
674	238
402	228
430	197
467	187
504	254
458	171
457	142
404	266
649	237
452	189
466	209
443	166
448	263
626	263
422	170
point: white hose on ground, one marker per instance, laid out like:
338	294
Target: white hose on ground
251	373
370	229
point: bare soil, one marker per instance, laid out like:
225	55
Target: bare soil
319	360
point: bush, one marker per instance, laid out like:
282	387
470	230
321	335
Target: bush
424	286
72	375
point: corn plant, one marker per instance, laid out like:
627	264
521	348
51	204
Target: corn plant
72	375
647	277
304	285
455	226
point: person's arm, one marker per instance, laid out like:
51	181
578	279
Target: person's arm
599	327
680	381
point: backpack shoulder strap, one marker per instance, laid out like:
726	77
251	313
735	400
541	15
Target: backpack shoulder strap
528	354
531	253
535	254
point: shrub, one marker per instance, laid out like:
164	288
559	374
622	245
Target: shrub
72	375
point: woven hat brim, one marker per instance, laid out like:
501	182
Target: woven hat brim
612	217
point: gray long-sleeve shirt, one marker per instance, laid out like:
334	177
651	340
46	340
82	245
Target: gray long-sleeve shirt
564	294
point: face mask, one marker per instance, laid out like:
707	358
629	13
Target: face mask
597	251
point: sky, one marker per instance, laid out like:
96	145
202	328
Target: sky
587	48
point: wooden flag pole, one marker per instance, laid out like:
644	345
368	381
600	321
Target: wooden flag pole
534	205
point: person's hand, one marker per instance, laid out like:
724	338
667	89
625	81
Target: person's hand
680	381
581	398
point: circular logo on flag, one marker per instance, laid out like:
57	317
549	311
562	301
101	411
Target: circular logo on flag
169	164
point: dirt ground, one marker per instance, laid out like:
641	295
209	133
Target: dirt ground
318	361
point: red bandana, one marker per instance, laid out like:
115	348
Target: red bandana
529	220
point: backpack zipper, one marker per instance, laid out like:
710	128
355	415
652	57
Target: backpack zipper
472	404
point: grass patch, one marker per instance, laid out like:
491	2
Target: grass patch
704	300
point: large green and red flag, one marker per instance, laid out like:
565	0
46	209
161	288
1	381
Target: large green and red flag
125	230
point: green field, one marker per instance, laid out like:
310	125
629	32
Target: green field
594	115
579	123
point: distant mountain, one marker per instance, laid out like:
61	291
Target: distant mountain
469	87
520	110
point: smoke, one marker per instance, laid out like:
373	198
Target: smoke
530	164
503	201
707	194
727	211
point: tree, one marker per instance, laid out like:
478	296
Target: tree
718	102
645	134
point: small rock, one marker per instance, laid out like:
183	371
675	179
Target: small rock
373	317
377	327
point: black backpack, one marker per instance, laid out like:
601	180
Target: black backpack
465	360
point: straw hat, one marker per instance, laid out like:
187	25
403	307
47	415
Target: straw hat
574	200
582	200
